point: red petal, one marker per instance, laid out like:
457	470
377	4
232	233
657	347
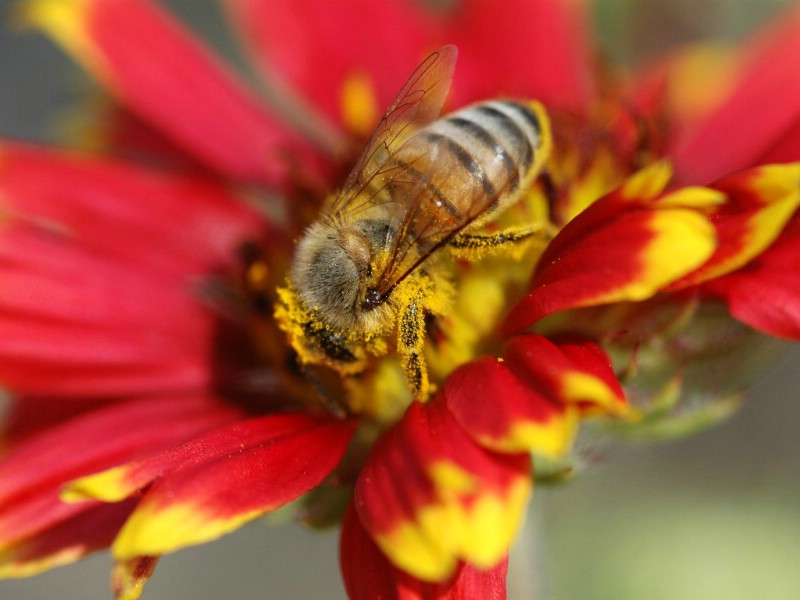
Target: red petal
170	224
67	541
74	324
216	483
766	293
760	121
120	133
98	262
34	470
368	574
29	415
383	41
527	49
524	49
163	74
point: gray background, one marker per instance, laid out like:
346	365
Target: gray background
712	517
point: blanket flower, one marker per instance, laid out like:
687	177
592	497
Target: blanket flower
156	403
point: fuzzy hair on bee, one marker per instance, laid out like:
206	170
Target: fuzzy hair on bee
332	266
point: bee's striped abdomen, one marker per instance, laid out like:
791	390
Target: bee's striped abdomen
469	162
504	137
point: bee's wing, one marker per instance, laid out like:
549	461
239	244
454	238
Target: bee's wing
425	222
418	103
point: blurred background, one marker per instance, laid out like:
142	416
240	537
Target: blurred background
711	517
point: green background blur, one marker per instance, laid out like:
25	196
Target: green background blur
712	517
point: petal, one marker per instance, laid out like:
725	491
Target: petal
430	497
368	574
350	38
766	293
33	470
104	260
686	85
190	226
524	49
32	414
215	484
537	391
75	324
760	121
129	576
759	203
575	371
626	246
65	542
37	529
160	72
505	413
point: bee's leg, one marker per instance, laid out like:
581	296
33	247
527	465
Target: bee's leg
473	246
410	341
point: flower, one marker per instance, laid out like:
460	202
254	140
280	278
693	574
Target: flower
139	285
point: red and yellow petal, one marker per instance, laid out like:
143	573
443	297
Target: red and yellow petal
759	122
214	484
129	576
573	371
157	69
531	399
91	529
765	294
368	574
760	201
503	412
545	40
33	519
431	497
626	246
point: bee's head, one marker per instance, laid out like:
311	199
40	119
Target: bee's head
329	271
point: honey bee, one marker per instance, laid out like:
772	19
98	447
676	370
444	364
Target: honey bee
369	266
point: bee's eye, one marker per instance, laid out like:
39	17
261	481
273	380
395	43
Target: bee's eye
372	300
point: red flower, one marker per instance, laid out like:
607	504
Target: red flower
157	404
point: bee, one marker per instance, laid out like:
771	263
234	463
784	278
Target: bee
369	266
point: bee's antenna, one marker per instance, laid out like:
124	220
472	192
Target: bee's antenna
334	407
